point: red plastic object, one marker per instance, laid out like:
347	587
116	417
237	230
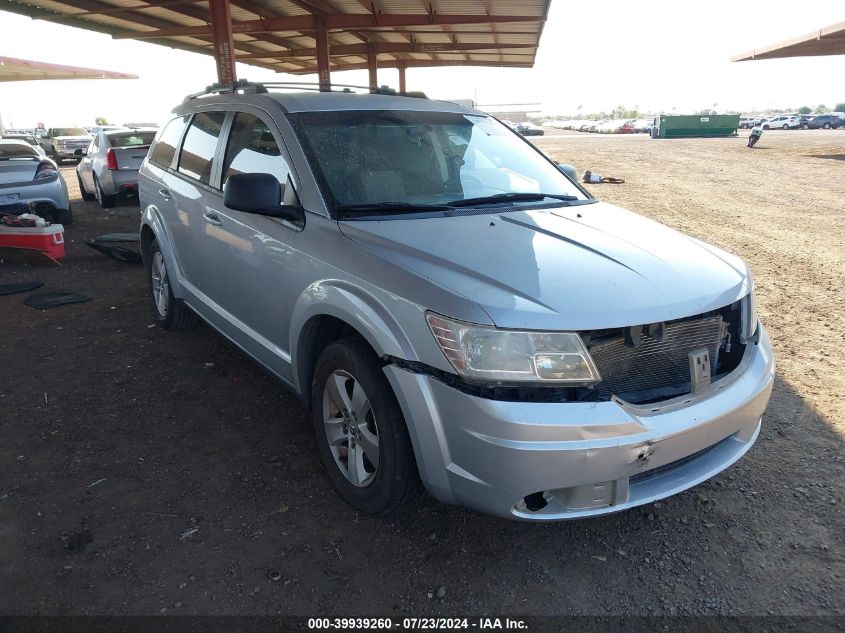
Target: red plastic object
49	239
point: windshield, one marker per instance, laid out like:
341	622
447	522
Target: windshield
422	158
68	131
131	139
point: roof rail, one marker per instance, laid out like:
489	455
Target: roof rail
262	87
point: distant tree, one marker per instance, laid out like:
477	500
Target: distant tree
822	108
101	120
804	110
839	107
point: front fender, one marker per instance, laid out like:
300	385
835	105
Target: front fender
356	307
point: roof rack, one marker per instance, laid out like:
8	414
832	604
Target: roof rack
262	87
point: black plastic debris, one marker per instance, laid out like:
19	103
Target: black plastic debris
120	253
24	286
118	237
44	300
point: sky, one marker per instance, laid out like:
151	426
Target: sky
658	56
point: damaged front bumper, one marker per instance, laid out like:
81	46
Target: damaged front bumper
552	461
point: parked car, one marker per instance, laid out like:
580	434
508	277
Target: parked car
450	307
529	129
787	122
30	180
826	121
63	142
110	166
29	138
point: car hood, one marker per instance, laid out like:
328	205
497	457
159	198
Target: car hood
583	267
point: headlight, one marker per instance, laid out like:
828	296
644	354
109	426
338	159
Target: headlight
486	353
749	316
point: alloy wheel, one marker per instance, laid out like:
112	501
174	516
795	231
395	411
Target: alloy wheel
160	284
351	428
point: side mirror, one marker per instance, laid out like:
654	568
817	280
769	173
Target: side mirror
258	194
568	170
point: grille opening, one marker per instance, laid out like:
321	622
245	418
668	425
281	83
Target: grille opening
650	363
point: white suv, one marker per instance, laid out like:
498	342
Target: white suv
790	122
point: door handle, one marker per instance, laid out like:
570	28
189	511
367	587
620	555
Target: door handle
212	218
165	193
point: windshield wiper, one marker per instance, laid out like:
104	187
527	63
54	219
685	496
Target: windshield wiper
388	207
510	197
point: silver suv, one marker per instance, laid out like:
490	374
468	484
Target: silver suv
453	310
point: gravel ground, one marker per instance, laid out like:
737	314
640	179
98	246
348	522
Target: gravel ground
146	472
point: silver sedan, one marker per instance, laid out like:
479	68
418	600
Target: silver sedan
110	166
31	183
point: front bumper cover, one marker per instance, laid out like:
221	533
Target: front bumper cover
579	459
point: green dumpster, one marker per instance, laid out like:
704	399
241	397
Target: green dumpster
707	125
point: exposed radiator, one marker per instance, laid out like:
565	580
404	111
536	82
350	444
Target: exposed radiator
658	366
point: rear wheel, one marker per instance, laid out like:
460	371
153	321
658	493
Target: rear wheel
88	197
785	126
361	432
171	313
105	201
827	126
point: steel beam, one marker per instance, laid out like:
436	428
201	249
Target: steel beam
338	50
340	21
420	63
402	87
372	65
323	62
224	45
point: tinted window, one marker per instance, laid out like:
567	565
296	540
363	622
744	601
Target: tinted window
197	157
252	150
165	148
17	149
131	139
68	131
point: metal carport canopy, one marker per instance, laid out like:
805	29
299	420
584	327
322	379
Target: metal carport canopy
316	36
829	40
13	69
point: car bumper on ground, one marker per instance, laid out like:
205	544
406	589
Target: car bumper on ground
554	461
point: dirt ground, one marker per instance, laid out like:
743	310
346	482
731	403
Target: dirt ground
146	472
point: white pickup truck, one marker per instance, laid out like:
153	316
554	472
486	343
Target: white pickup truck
63	142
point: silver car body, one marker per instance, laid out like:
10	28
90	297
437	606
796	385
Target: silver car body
264	282
18	185
124	179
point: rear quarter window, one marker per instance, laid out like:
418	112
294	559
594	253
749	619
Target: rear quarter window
164	150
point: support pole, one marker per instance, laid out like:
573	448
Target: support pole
402	79
323	64
224	44
372	66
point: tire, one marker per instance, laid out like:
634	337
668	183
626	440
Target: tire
385	477
826	126
766	127
804	126
171	313
785	126
63	216
106	202
88	197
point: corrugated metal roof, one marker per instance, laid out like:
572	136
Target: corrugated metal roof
13	69
829	40
280	34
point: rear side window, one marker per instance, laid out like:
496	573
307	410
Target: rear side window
197	156
253	150
165	148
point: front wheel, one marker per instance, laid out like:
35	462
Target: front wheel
785	126
805	126
361	432
827	126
